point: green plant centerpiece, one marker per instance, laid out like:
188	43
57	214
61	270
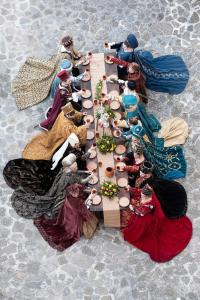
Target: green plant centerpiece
98	91
106	144
108	189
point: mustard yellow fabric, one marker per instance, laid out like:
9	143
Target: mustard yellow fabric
44	144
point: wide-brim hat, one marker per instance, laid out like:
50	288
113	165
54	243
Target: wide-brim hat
65	64
69	160
137	131
73	139
129	100
67	109
132	40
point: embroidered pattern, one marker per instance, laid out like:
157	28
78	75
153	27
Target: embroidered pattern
169	162
148	70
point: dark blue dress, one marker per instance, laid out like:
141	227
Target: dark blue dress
167	74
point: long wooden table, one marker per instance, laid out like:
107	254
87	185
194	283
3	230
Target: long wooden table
110	207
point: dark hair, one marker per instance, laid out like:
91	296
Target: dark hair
133	121
146	167
126	43
67	41
131	85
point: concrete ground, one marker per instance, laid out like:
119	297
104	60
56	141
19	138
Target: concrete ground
105	267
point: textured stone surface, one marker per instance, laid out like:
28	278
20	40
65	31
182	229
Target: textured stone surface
106	267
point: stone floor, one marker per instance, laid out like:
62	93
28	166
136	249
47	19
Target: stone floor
105	267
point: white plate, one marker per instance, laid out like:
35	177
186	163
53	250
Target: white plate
93	154
94	180
115	105
96	200
120	149
90	135
87	104
124	202
121	165
86	94
122	182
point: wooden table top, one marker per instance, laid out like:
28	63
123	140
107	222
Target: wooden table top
110	207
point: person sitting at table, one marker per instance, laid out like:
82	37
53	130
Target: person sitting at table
33	82
133	159
63	95
169	162
71	217
31	205
72	145
37	176
66	65
134	74
136	110
44	144
148	229
124	51
167	74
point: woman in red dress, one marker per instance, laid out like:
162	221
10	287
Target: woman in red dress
151	231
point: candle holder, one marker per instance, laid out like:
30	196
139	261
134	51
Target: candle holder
100	163
109	172
115	122
117	132
94	191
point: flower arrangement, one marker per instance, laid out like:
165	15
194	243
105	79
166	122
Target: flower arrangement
109	112
106	110
106	144
108	189
99	87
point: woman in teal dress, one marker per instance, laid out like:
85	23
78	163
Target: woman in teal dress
135	109
169	162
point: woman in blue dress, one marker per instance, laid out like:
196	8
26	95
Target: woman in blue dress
167	74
